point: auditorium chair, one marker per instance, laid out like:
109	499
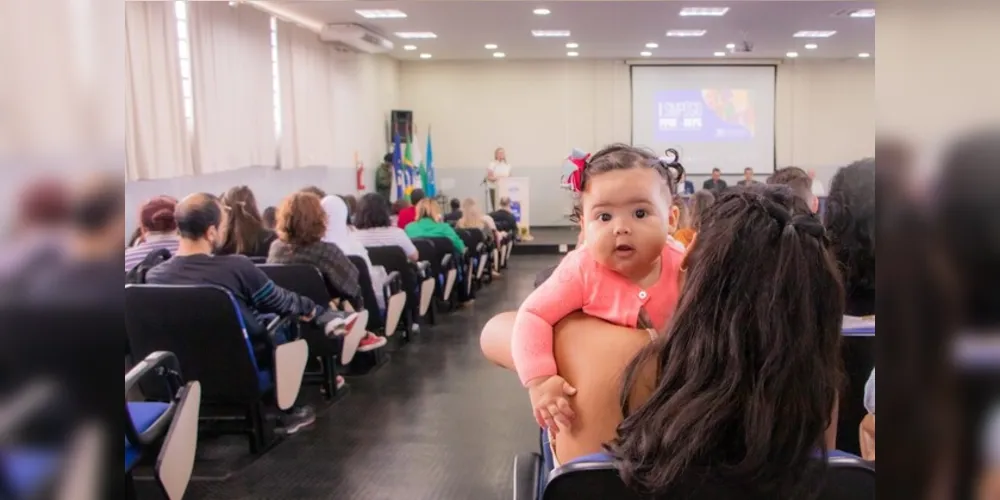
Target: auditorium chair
393	287
595	478
858	354
168	430
443	266
417	282
479	252
462	263
308	282
204	328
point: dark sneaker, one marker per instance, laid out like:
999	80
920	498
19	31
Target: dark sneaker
297	419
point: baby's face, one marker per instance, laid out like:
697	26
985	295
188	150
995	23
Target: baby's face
626	219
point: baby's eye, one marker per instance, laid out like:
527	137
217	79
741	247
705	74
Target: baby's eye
640	213
604	217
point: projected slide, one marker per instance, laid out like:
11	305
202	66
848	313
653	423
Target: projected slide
716	116
705	115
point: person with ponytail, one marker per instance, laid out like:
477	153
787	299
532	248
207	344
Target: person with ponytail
245	233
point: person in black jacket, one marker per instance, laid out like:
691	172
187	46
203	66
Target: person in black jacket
456	212
504	218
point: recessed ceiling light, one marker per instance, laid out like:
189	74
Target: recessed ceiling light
572	54
811	46
381	13
415	34
720	54
864	55
490	46
814	34
863	13
731	46
499	55
652	45
425	56
409	47
542	12
550	33
704	11
645	54
686	33
792	55
572	45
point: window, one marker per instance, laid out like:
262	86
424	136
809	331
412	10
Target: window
184	54
275	78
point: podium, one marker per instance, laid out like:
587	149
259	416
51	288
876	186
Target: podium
518	190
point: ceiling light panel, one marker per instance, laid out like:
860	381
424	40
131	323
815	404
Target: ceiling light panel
542	12
425	56
792	55
686	33
381	13
416	35
645	54
572	45
490	46
863	14
409	47
704	11
499	55
572	54
814	34
550	33
720	54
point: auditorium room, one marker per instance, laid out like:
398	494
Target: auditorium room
370	244
470	250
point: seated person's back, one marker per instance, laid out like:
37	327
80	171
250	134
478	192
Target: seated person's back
456	211
245	231
503	217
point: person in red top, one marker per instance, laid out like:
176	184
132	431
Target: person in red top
409	214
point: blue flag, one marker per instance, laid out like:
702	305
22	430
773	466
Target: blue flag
431	186
397	166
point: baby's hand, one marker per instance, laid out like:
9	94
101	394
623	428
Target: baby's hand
550	404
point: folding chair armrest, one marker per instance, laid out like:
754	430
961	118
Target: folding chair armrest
160	359
446	261
167	366
527	476
480	247
423	267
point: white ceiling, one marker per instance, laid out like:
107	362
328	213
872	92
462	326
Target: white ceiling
606	29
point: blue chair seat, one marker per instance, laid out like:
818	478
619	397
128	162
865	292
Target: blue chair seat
28	470
143	416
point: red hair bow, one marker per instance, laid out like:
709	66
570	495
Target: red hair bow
575	177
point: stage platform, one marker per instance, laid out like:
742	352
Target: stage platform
549	240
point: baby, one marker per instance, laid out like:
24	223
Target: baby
625	272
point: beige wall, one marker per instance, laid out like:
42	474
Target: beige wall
539	110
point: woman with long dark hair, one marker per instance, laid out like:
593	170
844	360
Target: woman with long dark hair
245	233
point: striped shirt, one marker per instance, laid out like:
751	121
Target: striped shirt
134	255
386	237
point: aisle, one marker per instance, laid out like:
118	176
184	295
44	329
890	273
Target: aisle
437	423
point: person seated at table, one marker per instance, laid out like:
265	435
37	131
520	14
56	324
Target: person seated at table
754	407
375	229
302	225
429	225
200	218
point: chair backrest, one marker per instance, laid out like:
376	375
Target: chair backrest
302	279
846	478
471	237
368	297
858	354
392	258
203	327
444	246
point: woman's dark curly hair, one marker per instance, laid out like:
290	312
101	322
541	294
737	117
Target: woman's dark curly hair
850	220
301	220
373	211
623	157
748	373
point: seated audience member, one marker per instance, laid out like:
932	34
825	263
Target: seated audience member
456	211
352	206
409	213
715	184
682	409
374	226
245	231
473	218
302	224
427	225
684	186
699	205
159	230
748	179
315	191
199	219
799	181
818	189
504	218
268	217
850	219
339	234
135	239
39	231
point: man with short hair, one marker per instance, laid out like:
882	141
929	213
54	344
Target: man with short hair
409	213
715	184
504	217
456	211
748	179
199	218
799	181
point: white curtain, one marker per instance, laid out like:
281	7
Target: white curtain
307	104
156	134
231	79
